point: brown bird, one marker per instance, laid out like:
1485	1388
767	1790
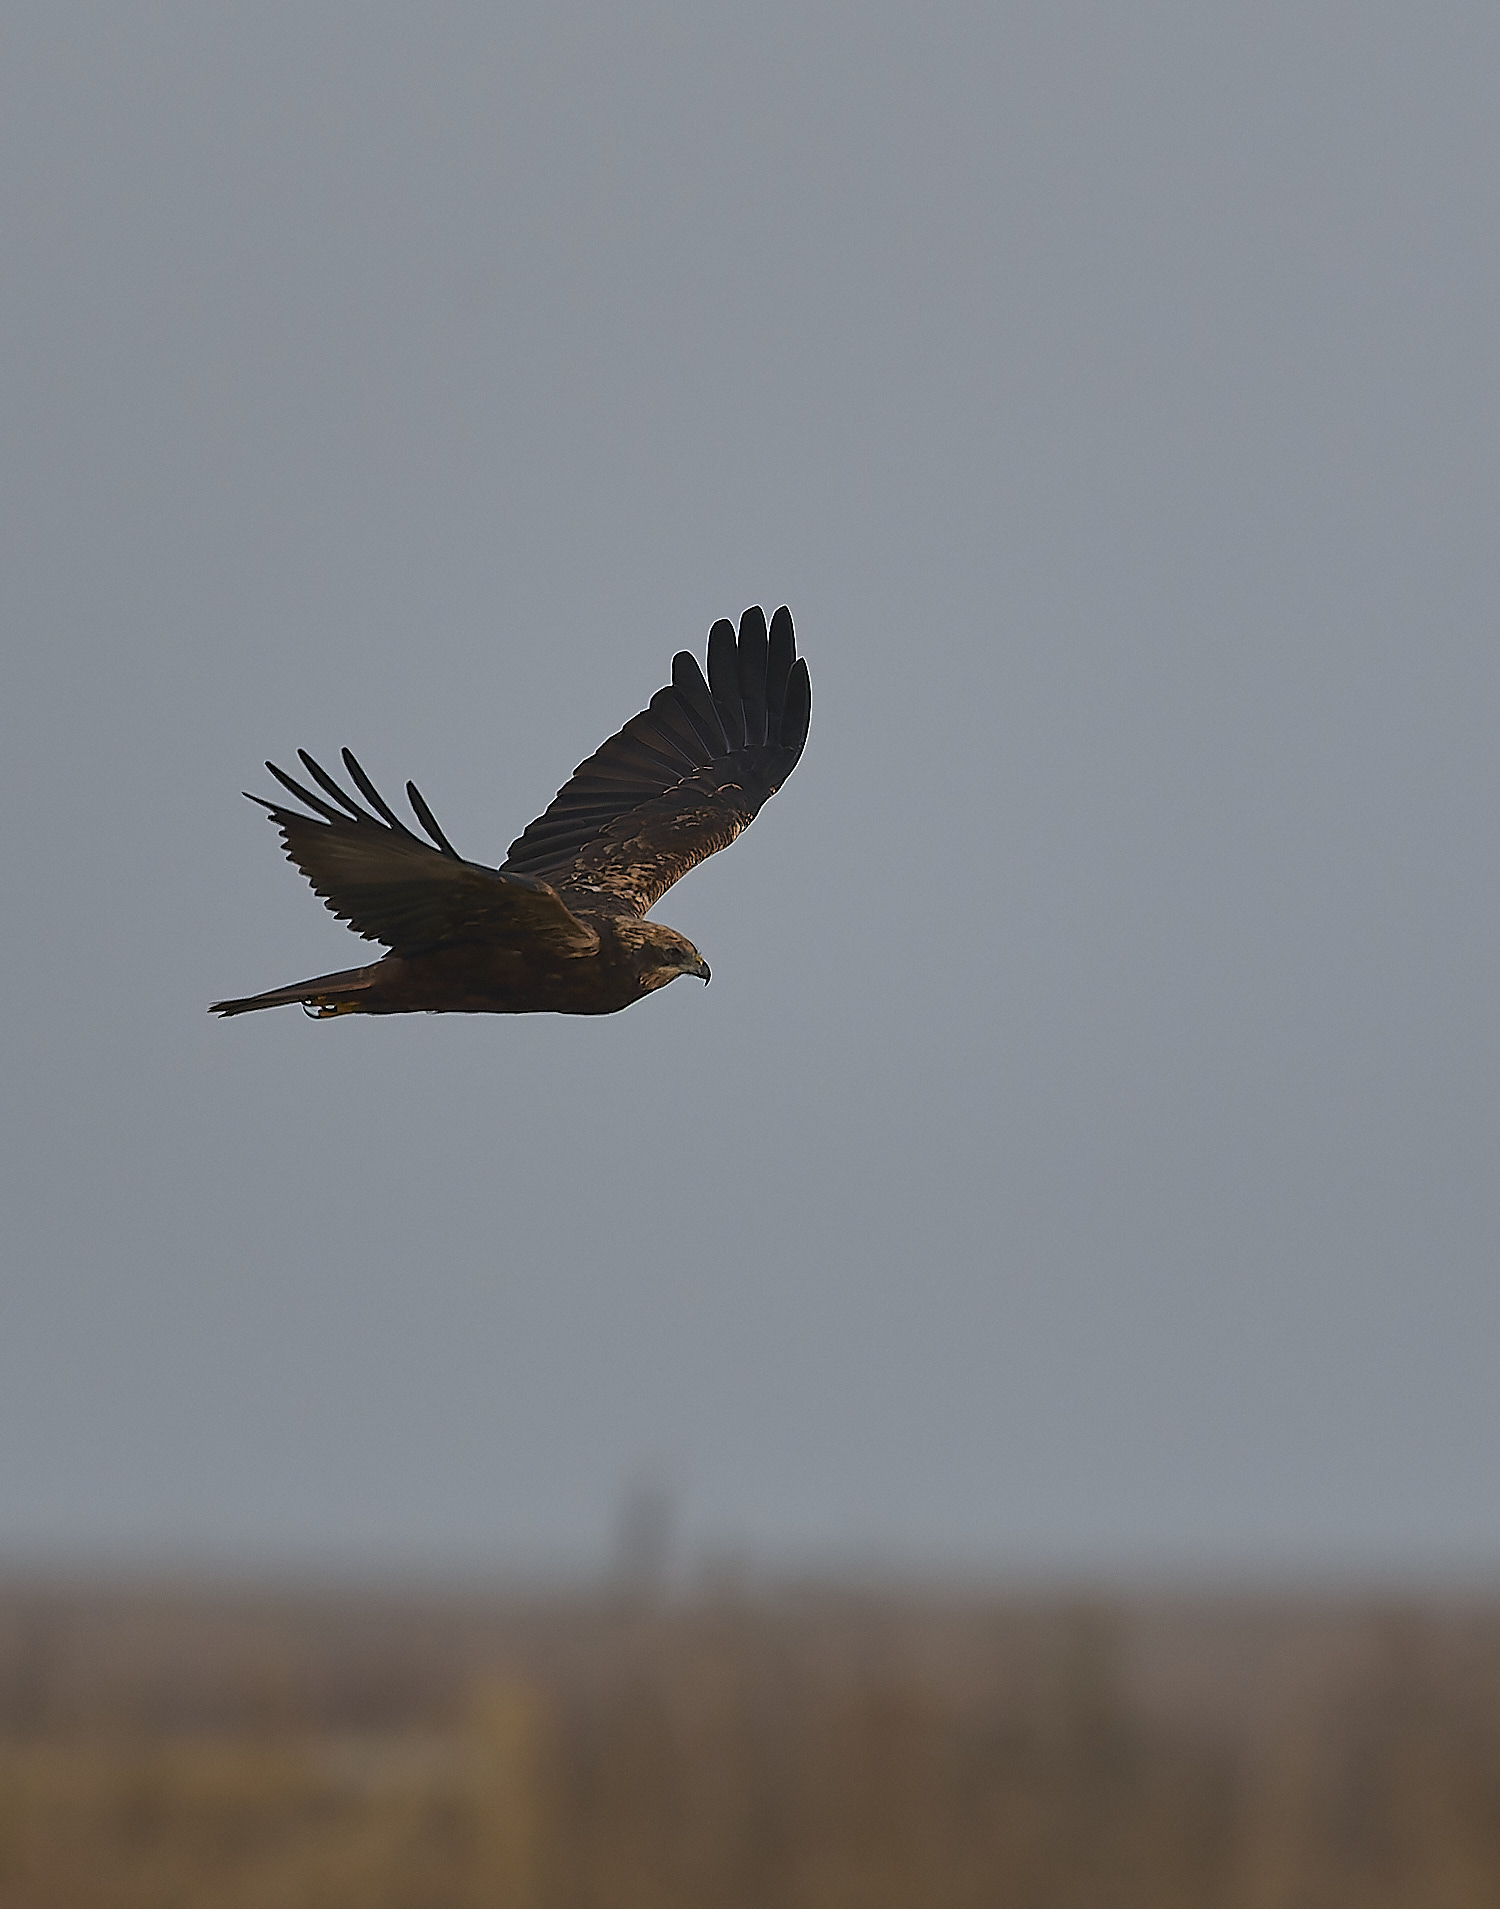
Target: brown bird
560	926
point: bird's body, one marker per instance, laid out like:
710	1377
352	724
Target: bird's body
559	927
485	978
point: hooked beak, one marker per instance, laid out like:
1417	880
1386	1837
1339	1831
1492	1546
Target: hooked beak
702	968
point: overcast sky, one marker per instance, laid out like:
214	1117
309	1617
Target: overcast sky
1085	1156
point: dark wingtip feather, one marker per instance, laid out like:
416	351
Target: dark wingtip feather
668	716
429	821
329	787
781	653
686	672
697	700
724	680
798	710
314	802
752	673
372	795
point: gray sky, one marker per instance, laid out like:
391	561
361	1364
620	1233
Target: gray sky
1085	1157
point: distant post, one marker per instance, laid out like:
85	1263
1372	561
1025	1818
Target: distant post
644	1539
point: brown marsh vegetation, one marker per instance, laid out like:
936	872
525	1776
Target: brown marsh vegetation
177	1750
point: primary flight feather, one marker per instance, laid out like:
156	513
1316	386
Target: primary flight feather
560	926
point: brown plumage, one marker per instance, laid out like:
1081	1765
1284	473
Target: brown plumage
560	926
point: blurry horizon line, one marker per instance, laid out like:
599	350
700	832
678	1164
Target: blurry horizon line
710	1572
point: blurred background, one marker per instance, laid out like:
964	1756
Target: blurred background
1075	1194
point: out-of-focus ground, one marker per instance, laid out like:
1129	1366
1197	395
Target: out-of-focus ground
814	1748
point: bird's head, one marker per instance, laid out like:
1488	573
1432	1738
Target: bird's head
663	954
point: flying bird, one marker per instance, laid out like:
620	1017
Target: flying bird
560	927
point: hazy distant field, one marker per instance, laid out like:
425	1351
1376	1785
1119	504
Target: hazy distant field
812	1751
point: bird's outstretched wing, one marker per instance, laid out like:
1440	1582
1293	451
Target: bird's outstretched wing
374	873
681	779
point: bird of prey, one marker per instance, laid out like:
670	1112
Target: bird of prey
560	926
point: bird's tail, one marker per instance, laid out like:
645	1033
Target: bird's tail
325	994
